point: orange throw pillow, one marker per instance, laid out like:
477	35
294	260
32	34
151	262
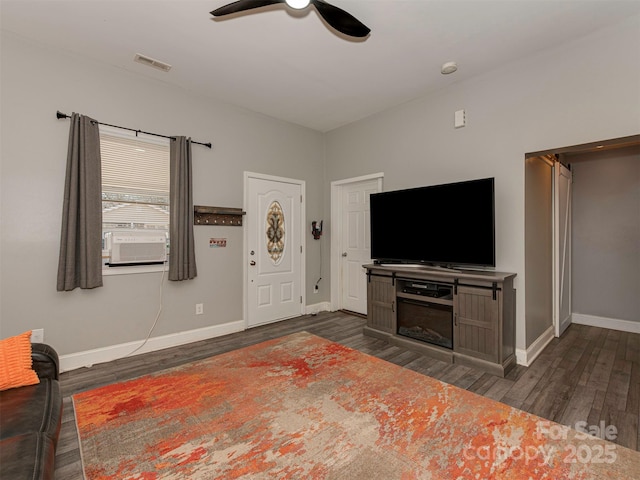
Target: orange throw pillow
15	362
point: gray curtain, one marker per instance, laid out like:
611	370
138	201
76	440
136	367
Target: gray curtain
182	259
80	261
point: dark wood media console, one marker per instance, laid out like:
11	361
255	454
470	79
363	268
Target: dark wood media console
410	306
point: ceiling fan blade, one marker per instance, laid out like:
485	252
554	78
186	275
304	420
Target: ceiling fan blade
342	21
242	5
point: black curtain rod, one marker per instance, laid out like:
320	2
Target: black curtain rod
61	115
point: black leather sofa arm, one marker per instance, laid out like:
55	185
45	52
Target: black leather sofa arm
30	421
45	361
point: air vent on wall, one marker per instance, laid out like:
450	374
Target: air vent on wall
152	62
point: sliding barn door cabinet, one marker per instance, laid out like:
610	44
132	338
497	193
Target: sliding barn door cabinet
456	316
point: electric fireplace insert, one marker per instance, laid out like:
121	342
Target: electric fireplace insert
426	321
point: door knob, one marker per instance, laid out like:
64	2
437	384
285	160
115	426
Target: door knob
344	254
252	263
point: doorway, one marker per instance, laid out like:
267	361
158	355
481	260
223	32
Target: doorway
547	252
351	241
550	292
274	249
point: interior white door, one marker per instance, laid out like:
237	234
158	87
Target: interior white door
356	243
562	248
275	253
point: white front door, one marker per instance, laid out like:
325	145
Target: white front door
354	246
275	253
562	248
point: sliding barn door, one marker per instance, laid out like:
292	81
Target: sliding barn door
562	248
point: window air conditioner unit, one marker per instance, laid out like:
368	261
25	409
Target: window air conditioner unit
136	247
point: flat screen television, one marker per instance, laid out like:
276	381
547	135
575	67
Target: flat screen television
444	225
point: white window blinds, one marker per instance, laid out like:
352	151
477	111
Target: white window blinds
135	181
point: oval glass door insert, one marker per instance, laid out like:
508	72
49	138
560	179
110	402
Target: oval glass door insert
275	231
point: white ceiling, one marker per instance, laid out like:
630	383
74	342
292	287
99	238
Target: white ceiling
292	66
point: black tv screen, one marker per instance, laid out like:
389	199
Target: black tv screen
450	224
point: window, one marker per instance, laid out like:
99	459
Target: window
135	183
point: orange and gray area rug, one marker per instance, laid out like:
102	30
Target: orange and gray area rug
302	407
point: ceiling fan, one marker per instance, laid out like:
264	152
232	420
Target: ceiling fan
336	17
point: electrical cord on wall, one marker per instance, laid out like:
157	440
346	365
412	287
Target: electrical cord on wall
155	322
320	276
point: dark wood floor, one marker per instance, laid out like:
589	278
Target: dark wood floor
590	375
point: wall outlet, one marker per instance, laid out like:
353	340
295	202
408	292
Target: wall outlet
316	289
37	335
199	308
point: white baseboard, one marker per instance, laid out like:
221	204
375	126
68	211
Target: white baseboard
113	352
604	322
106	354
317	308
526	357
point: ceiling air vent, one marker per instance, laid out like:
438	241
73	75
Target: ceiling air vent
152	62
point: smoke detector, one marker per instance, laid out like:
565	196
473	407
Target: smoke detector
152	62
448	68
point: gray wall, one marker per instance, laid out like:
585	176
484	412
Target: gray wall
35	83
606	234
564	96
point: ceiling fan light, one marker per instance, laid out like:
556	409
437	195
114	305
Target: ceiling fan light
298	4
